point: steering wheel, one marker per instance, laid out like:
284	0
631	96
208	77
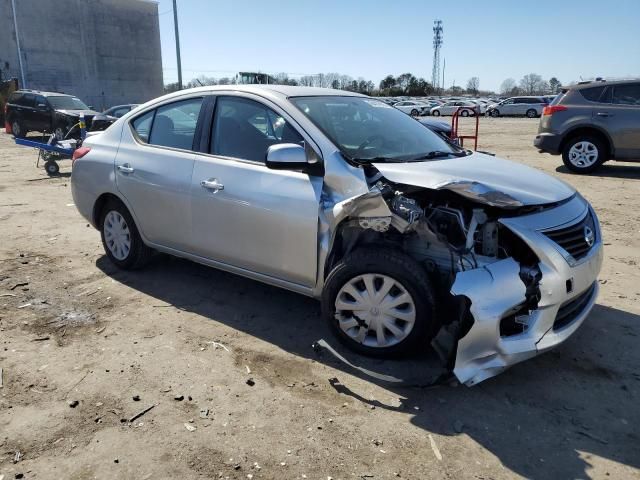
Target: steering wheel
366	143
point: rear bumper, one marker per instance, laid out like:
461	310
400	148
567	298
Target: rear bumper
548	142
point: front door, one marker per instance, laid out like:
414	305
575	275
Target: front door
245	214
153	170
623	120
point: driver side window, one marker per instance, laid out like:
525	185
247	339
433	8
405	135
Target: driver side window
245	129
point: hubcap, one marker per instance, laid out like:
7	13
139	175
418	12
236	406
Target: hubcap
375	310
531	114
59	133
117	235
15	127
583	154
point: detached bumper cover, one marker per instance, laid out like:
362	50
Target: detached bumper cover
568	291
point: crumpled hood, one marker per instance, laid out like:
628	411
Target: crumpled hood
76	113
482	178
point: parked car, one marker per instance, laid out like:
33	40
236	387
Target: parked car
591	123
412	107
450	107
32	110
437	126
518	106
343	198
103	120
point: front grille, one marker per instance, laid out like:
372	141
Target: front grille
574	238
569	311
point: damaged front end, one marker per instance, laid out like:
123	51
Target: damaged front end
502	280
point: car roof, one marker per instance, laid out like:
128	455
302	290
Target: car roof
594	83
281	90
44	94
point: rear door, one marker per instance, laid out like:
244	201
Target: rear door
41	115
623	119
153	170
245	214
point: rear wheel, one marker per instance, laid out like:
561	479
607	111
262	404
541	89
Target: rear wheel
120	237
495	112
531	113
18	130
464	113
436	113
583	154
414	113
379	302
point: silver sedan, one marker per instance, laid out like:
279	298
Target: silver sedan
346	199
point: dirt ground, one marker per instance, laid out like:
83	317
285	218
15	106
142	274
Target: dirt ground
185	340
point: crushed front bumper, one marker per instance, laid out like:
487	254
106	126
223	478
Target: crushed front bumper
568	291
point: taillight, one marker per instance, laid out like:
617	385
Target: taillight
551	109
78	153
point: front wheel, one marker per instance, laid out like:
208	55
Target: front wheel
464	113
380	303
436	113
531	113
414	113
583	154
495	113
120	237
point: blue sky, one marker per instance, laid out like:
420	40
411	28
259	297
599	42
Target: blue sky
491	39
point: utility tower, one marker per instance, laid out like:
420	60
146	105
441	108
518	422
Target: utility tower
437	43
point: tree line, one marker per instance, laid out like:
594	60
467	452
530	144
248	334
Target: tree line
394	86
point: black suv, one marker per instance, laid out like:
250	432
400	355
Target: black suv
592	122
31	110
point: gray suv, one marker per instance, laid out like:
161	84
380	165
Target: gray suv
591	123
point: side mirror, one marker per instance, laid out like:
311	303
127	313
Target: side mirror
287	156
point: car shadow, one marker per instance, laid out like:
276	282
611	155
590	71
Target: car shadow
542	419
610	170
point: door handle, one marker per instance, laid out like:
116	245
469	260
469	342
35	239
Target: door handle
126	168
604	114
212	184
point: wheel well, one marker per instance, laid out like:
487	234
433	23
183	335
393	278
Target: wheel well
99	205
583	131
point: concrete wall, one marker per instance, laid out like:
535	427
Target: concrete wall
106	52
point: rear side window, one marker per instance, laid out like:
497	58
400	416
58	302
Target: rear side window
175	124
592	94
245	129
172	125
627	94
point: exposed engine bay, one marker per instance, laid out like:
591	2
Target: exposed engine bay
485	276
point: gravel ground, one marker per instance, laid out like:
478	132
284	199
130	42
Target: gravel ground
237	390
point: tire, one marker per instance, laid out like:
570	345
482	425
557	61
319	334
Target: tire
117	235
378	266
584	153
51	167
414	113
60	133
18	130
436	113
531	113
464	113
495	113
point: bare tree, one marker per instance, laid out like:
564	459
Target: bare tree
507	86
554	85
473	85
532	84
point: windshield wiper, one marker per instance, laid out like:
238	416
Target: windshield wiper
438	154
374	159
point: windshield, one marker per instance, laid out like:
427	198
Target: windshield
365	129
67	103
